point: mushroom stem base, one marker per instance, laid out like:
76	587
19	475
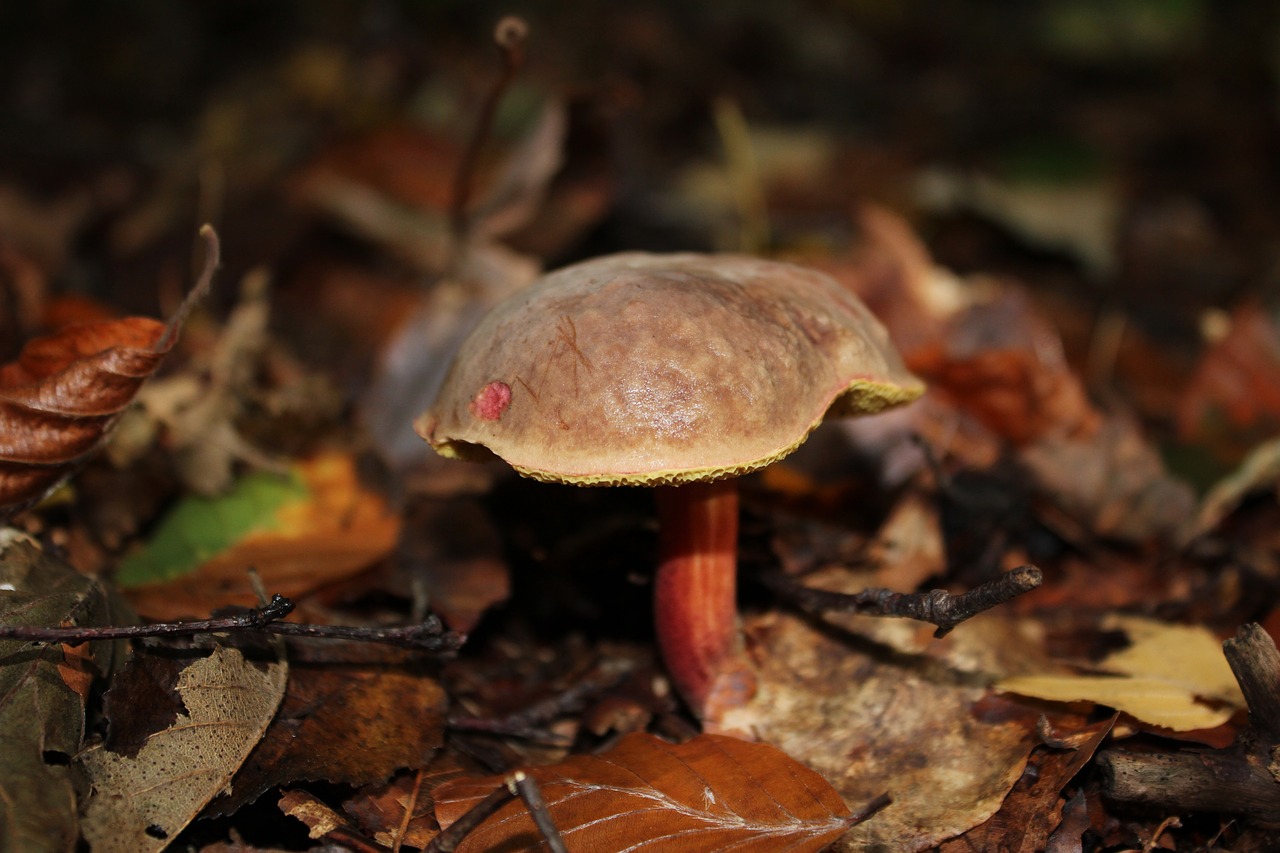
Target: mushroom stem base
695	597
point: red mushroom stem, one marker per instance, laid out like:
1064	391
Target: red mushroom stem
695	596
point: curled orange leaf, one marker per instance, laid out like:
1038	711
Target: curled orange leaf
64	391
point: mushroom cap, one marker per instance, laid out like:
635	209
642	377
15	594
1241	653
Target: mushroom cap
644	369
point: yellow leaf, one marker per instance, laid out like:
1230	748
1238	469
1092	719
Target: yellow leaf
1187	655
1163	678
1157	702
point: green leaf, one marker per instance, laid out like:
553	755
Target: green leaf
41	712
199	528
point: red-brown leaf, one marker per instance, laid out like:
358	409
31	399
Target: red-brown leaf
711	793
64	392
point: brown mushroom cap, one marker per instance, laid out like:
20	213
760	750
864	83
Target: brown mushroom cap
639	369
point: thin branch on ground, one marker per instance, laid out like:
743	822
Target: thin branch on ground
517	785
427	636
937	607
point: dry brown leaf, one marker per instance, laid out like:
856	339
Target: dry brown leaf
200	411
62	394
343	719
140	804
887	707
380	811
1022	394
1233	399
1260	471
319	818
709	794
909	548
42	693
1034	809
1112	481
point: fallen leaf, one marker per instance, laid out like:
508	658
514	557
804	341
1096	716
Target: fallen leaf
1069	836
1232	400
344	720
319	818
338	529
198	529
1259	471
380	810
1034	808
141	700
199	406
710	793
41	714
1152	700
878	705
1161	679
1113	481
1184	654
909	547
140	804
1002	363
63	393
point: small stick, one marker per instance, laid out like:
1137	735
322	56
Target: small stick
518	784
1255	661
529	791
212	257
869	809
509	36
429	635
409	807
937	607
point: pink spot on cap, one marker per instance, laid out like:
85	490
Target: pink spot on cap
492	401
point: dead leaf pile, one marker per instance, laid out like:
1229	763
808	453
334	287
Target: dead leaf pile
1069	235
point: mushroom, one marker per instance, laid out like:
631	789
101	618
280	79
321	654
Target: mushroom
680	372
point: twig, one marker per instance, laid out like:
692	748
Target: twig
1255	661
409	807
937	607
517	785
509	36
529	791
428	635
212	257
1239	780
869	809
